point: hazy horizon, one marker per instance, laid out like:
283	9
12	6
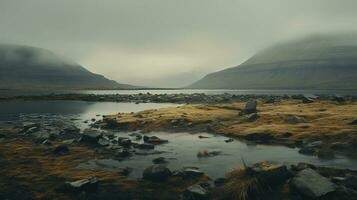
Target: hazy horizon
166	43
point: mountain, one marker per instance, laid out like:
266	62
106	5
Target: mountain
24	67
315	62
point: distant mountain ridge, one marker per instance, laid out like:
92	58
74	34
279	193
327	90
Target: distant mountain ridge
316	62
33	68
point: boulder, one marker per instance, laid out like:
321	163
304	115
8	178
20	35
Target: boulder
250	107
156	173
91	136
252	117
311	184
195	192
270	173
61	149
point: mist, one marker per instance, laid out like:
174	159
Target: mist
164	43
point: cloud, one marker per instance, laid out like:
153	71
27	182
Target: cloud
151	42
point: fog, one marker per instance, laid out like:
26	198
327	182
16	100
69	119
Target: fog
166	43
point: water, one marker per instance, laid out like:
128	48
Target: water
184	91
180	151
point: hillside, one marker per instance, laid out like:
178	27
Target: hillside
23	67
315	62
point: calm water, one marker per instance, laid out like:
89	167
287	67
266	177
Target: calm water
188	91
182	148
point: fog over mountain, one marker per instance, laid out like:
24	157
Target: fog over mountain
165	43
24	67
315	62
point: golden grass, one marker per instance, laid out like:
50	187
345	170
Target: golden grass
324	119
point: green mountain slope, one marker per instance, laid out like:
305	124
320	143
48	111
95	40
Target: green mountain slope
316	62
32	68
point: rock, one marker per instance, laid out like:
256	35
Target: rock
250	107
27	125
191	173
229	140
154	140
316	144
252	117
71	129
195	192
156	173
159	160
91	136
87	185
69	141
144	146
103	142
31	130
126	171
219	182
307	99
270	173
203	137
136	135
354	122
295	120
307	150
206	153
122	153
125	142
61	149
311	184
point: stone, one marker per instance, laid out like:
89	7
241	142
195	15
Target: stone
295	120
144	146
61	149
219	182
229	140
159	160
307	150
27	125
252	117
125	142
250	107
206	153
270	173
307	99
103	142
87	185
195	192
31	130
156	173
311	184
192	173
325	153
154	140
91	136
354	122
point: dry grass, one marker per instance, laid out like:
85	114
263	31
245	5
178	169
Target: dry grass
324	119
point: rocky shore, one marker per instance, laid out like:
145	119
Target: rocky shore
178	98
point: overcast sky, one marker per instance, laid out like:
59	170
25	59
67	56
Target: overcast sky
166	43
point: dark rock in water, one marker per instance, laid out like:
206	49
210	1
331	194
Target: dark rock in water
159	160
91	136
122	153
229	140
354	122
203	137
270	173
144	146
31	130
154	140
156	173
311	184
250	107
71	129
307	150
205	153
260	137
126	171
61	149
295	120
137	136
192	173
195	192
84	185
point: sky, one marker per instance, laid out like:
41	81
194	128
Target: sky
166	43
